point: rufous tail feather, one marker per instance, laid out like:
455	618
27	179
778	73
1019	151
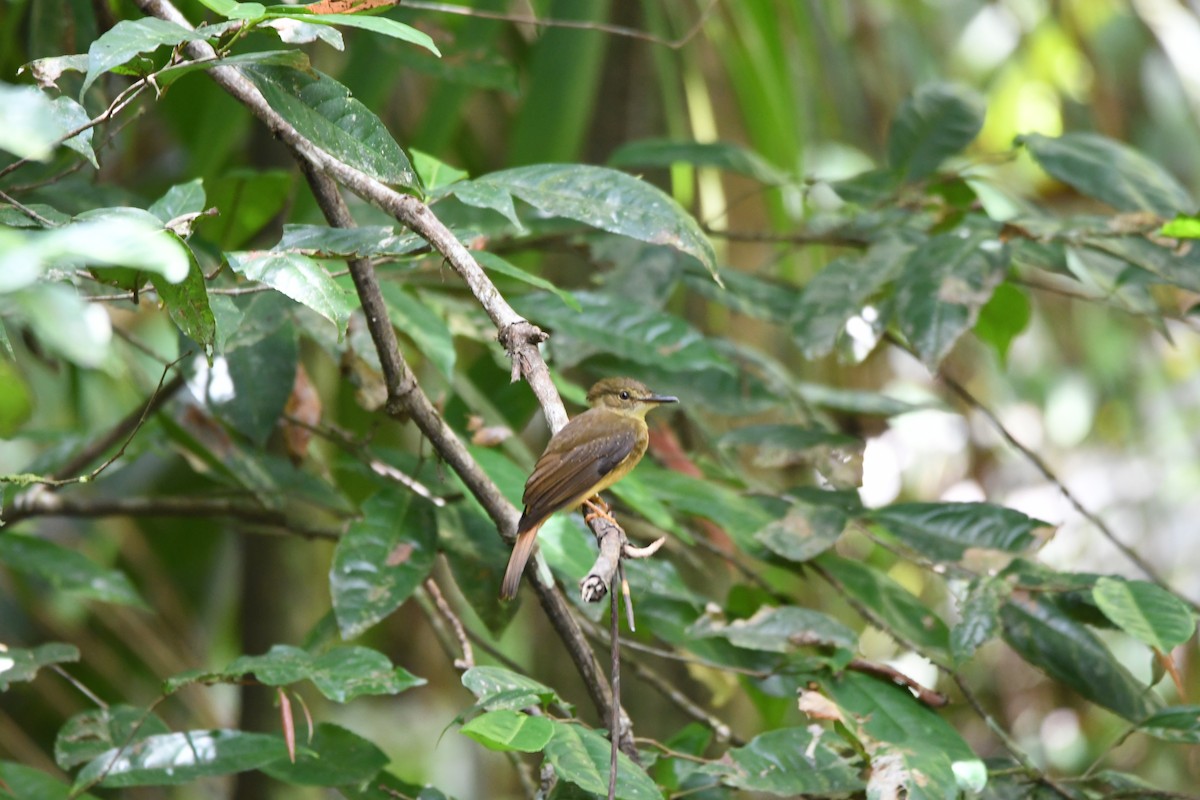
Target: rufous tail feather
516	562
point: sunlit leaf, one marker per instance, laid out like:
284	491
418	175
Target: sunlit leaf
1145	611
388	27
505	730
299	277
176	758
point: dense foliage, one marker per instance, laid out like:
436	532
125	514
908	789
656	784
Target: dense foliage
253	544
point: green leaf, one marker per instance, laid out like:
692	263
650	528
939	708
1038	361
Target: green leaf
1174	724
840	291
180	199
19	782
944	531
788	762
610	325
384	25
171	759
380	561
260	380
938	121
299	277
722	155
122	237
494	263
1145	611
1107	170
416	320
778	630
499	688
581	756
435	174
936	762
22	664
1003	318
334	757
187	305
127	39
366	241
506	730
29	124
91	733
235	10
61	320
291	59
1069	652
945	282
804	532
323	111
70	116
605	199
67	570
979	616
341	673
898	608
16	402
1182	227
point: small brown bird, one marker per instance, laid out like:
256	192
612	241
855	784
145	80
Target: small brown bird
591	453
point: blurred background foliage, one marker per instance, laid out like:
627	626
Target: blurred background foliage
1104	391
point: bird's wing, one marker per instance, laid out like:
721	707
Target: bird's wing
570	469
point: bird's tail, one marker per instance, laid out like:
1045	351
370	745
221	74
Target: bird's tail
516	562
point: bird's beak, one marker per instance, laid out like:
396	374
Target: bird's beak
660	398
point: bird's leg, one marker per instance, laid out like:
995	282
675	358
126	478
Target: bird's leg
597	509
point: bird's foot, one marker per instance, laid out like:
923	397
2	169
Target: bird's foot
597	509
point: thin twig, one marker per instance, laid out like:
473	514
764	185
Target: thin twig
614	650
460	633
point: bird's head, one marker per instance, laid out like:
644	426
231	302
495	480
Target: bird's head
626	396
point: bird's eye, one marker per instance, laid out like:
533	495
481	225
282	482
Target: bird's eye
624	395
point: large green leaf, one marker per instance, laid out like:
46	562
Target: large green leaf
722	155
21	782
128	38
72	116
341	673
29	125
790	762
1107	170
581	756
1145	611
187	305
388	27
323	110
505	730
945	282
979	616
938	121
67	570
299	277
333	757
382	558
635	333
1069	652
839	292
919	750
944	531
170	759
93	732
600	197
496	688
896	607
22	664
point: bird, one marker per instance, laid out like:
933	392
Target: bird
589	454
